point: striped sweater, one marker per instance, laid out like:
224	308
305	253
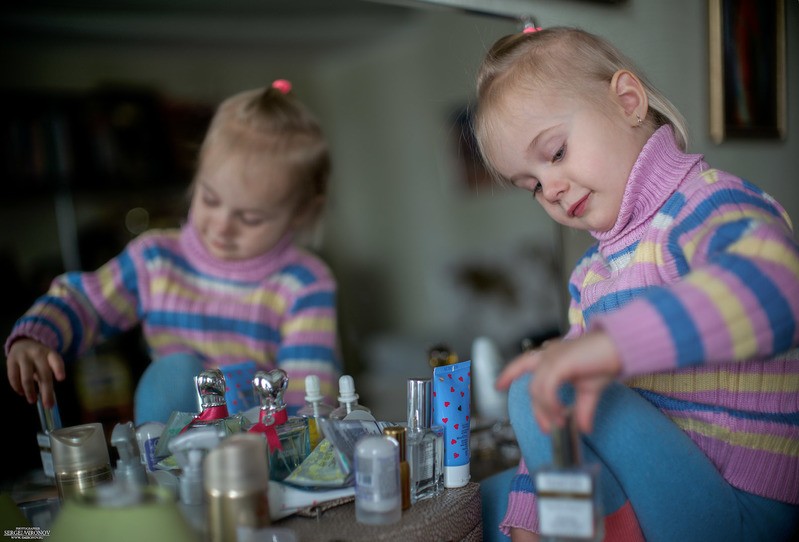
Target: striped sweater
697	284
278	309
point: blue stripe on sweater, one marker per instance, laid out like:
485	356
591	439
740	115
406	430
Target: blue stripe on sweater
612	301
670	403
705	209
74	324
623	252
307	351
769	295
301	273
685	337
522	483
323	300
201	322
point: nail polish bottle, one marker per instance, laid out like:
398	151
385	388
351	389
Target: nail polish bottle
287	438
425	443
568	500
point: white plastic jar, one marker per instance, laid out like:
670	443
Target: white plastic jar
378	496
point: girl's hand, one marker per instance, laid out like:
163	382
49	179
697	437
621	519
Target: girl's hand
32	365
589	362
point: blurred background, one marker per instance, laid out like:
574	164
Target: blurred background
105	102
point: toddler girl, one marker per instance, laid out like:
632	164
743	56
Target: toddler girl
228	287
678	363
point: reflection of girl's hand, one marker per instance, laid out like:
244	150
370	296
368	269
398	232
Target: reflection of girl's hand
589	363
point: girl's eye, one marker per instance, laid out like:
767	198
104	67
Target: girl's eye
537	189
251	219
209	200
559	154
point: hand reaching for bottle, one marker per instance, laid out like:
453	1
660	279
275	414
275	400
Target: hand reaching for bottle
31	368
589	362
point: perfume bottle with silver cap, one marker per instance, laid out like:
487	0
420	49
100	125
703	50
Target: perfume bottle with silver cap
425	443
568	500
287	437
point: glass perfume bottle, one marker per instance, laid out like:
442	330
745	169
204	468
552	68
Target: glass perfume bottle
349	408
568	500
315	408
287	437
424	442
213	406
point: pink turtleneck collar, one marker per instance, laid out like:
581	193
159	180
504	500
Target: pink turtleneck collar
657	173
252	269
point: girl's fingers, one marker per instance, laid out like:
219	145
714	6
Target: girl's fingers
525	363
56	364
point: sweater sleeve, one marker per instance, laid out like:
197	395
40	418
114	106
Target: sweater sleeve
522	511
733	290
309	342
81	309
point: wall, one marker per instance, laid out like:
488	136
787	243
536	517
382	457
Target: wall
398	223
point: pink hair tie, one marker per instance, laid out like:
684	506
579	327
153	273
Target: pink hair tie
530	29
283	85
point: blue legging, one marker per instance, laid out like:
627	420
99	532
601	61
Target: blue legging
675	490
166	385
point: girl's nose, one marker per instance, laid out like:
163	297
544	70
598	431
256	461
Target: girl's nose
223	222
553	189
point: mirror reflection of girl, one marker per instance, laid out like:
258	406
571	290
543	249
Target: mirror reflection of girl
678	362
230	286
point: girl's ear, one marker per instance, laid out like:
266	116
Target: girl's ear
308	212
628	91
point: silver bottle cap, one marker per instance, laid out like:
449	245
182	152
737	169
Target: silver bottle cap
419	395
211	388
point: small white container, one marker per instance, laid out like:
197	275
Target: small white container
378	495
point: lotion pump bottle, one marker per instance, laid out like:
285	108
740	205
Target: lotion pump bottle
349	408
568	500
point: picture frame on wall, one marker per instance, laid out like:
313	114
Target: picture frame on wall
747	69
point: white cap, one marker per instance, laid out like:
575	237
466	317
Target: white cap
312	389
457	476
346	389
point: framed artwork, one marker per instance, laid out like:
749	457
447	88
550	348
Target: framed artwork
747	69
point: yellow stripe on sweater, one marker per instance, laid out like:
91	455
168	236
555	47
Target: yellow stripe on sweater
755	441
736	320
671	383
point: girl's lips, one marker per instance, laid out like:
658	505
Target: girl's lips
578	208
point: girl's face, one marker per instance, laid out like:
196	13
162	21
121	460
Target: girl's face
573	156
241	206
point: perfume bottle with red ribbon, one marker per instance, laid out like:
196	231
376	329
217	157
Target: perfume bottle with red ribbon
287	438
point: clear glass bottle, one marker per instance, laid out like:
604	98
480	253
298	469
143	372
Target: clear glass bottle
287	437
424	442
568	500
315	408
348	402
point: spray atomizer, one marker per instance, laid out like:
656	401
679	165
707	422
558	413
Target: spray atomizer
287	438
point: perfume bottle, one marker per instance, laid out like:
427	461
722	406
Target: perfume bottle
398	433
568	500
315	408
425	443
349	408
213	406
287	438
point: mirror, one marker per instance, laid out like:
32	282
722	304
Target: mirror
421	257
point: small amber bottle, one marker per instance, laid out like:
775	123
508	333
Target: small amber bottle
397	432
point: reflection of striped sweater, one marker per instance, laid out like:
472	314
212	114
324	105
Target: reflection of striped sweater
701	272
277	309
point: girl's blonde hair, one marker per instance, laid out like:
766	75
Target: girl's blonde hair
270	123
568	60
